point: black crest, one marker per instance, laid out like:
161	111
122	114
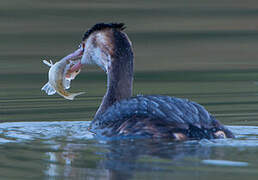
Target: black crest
101	26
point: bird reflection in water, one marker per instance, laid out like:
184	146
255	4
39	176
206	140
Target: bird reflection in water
123	159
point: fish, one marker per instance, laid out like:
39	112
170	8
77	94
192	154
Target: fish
59	80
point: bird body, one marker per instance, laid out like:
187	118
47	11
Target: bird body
160	117
120	114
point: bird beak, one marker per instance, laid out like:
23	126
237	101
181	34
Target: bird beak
75	56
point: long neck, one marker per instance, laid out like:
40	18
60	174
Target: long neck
120	73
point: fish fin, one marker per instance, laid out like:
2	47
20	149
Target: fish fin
67	83
72	95
50	63
48	89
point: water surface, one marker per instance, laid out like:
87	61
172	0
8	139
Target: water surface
66	150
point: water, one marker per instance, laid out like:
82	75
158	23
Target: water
66	150
205	51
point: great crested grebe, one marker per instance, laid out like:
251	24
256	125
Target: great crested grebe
119	114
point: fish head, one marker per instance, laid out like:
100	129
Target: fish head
72	74
73	61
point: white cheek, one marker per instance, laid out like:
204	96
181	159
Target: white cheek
85	58
101	38
94	56
97	57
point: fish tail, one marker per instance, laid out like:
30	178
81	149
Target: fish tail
48	89
72	95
